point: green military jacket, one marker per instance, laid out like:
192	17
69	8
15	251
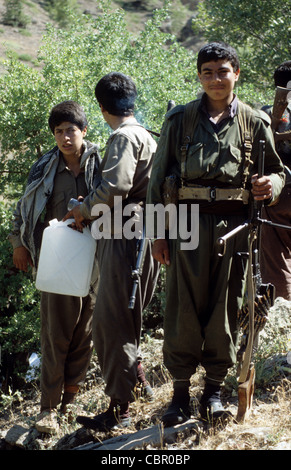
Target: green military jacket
212	155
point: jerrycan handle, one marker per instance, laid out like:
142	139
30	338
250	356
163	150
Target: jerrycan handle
54	223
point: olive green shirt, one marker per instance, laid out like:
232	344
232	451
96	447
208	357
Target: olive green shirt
125	168
213	155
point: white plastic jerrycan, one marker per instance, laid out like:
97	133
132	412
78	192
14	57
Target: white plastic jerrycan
66	260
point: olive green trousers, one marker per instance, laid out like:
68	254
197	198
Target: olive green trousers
66	344
203	294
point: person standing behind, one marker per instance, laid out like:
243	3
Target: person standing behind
69	170
125	172
275	258
203	290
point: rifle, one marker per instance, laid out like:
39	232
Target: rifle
246	368
137	271
260	297
282	96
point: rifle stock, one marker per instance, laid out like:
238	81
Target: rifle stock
282	96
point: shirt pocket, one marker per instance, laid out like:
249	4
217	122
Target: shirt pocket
194	160
231	161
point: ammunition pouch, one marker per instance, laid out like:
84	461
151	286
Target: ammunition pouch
170	190
170	195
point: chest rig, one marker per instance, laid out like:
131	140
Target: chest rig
209	193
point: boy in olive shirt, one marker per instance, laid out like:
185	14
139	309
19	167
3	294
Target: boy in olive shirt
68	170
203	290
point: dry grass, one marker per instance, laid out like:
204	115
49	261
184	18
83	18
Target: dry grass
267	427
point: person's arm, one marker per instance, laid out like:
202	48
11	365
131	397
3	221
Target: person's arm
269	186
160	251
162	162
118	172
22	258
21	255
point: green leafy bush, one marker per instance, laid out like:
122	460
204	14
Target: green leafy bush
13	15
19	311
71	61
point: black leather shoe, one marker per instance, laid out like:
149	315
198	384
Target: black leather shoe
176	414
104	422
213	411
179	411
117	416
211	408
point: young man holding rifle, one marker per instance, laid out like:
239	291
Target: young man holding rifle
211	147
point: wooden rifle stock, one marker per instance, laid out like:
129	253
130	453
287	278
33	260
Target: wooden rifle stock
282	96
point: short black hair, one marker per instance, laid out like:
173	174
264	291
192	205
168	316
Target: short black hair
117	93
282	74
217	51
67	111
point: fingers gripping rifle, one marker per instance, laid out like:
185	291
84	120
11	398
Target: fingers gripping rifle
141	246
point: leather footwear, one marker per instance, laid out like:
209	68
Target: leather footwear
146	390
179	410
176	414
211	408
117	416
47	422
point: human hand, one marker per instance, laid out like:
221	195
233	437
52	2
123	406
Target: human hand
22	258
75	213
262	188
160	251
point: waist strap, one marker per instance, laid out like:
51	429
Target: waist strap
214	194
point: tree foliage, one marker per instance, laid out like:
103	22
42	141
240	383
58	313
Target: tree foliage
71	61
259	29
19	311
13	14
